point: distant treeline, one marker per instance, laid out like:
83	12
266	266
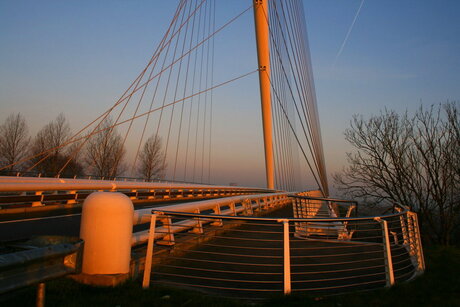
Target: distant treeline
53	151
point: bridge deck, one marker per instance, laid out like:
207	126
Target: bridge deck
246	261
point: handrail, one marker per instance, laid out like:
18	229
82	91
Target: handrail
83	184
371	243
38	175
39	264
318	219
324	199
40	191
143	215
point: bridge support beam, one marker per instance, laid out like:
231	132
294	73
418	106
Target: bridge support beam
263	55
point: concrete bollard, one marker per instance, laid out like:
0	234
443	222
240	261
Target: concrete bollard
106	228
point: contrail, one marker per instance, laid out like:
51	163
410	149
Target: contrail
349	32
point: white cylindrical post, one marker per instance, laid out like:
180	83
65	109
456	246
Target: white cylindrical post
106	228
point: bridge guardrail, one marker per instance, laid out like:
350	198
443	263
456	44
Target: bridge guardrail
380	251
307	206
249	204
38	175
39	264
42	191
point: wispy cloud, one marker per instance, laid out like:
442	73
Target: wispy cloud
348	33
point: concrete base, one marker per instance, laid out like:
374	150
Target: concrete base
106	280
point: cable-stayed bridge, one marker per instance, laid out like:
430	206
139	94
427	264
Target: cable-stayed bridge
166	119
175	100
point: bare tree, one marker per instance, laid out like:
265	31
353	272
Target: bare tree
105	152
151	159
50	154
14	141
413	161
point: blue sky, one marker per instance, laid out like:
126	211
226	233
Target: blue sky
400	53
78	57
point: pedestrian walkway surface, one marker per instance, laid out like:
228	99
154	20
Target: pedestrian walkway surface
246	261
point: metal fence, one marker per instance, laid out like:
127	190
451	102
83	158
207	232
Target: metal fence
38	261
28	191
232	206
31	174
256	257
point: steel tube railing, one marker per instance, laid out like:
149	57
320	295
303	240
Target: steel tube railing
40	191
11	184
379	259
144	215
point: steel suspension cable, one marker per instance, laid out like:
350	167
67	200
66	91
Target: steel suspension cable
182	108
103	116
175	96
156	88
140	100
297	139
278	53
309	128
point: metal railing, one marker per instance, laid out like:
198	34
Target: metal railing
35	264
320	207
308	206
25	174
29	191
254	257
244	204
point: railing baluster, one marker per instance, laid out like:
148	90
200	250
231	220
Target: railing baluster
404	230
417	242
389	273
286	256
149	255
40	301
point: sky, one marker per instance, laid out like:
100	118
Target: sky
78	57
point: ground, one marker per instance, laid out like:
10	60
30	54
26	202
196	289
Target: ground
440	285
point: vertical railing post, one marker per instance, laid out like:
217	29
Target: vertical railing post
295	206
286	256
418	251
40	300
389	273
217	222
198	229
404	230
259	207
250	211
410	233
419	244
403	224
74	200
265	201
233	209
40	202
169	238
149	254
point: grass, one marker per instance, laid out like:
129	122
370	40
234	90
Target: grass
439	286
